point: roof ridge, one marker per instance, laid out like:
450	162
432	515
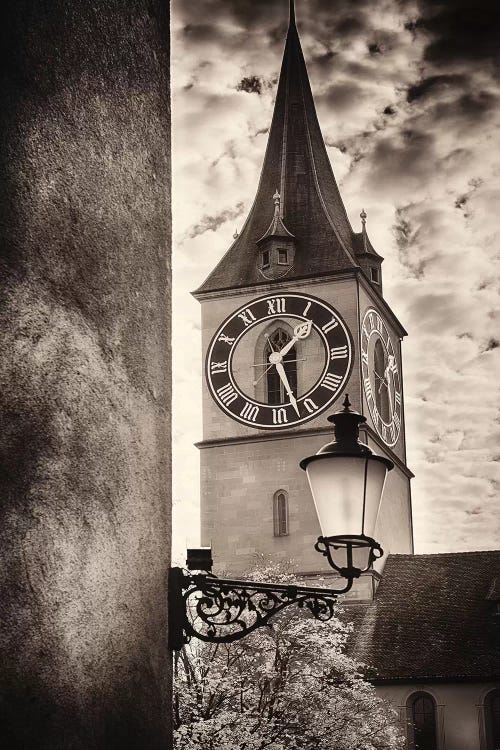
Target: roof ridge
444	554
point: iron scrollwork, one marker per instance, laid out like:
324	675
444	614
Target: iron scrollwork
222	610
347	545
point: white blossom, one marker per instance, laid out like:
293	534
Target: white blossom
290	686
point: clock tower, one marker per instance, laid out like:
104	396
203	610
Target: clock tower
293	317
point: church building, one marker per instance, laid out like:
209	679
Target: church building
293	318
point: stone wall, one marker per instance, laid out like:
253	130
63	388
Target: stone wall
460	711
84	375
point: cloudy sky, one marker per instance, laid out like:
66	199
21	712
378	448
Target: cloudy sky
408	99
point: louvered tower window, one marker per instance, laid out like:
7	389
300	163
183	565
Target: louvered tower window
276	393
422	722
280	513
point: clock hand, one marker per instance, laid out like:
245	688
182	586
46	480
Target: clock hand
266	364
270	342
382	380
281	372
262	375
387	373
268	367
390	401
301	331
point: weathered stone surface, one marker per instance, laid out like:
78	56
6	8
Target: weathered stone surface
84	383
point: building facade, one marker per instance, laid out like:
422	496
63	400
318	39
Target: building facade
432	640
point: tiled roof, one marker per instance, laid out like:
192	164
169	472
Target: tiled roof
432	619
296	164
363	246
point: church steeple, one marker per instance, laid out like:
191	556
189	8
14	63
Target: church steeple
296	163
292	319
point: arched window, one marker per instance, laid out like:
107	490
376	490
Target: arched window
276	393
492	720
381	382
422	722
280	513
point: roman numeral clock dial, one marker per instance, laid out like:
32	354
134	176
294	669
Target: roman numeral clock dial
279	361
381	378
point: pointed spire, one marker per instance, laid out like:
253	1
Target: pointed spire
311	208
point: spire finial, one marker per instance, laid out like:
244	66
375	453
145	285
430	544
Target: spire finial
292	13
346	403
277	202
363	217
235	235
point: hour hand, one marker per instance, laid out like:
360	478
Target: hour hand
281	372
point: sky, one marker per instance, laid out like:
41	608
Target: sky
408	99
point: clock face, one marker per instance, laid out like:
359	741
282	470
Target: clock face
381	378
279	361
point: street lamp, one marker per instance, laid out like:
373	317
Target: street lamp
347	481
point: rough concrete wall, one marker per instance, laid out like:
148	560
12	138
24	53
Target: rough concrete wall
84	374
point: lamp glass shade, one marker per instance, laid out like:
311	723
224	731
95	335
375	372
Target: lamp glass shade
343	504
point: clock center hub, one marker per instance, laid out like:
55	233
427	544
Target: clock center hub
275	358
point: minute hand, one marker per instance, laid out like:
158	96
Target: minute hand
301	331
281	372
288	346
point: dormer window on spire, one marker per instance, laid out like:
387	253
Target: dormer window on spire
369	260
277	245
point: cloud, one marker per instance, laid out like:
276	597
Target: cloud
459	30
250	84
212	223
430	84
200	32
407	94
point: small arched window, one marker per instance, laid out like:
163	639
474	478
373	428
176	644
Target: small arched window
422	723
381	383
492	720
280	512
276	393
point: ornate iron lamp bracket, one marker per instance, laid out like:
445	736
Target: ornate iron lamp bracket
223	610
328	545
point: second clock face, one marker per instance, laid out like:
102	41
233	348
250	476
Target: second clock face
381	379
279	361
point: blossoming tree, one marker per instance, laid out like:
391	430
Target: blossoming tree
289	686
